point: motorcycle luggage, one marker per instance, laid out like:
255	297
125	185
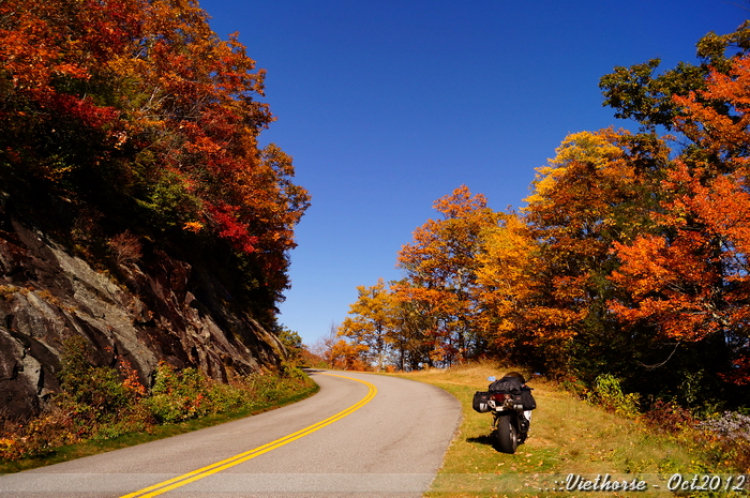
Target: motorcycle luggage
527	399
510	385
515	386
480	402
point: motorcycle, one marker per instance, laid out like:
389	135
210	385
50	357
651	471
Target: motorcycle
511	402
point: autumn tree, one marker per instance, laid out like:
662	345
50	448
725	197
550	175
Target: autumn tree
136	110
690	281
393	330
348	355
414	344
373	322
507	261
589	196
440	267
638	92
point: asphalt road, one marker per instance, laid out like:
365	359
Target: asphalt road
363	435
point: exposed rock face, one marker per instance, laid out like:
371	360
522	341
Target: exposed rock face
48	295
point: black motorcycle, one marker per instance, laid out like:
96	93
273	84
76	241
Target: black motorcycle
511	402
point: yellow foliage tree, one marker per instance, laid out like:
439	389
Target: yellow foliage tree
374	321
506	264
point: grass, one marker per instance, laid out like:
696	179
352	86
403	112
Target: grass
567	436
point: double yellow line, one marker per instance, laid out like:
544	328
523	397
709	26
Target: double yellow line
163	487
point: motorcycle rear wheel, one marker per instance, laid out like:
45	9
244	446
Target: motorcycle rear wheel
507	434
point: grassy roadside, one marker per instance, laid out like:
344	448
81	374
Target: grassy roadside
568	436
97	446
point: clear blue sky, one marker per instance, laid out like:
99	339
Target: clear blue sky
388	105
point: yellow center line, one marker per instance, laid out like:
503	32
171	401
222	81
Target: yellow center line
195	475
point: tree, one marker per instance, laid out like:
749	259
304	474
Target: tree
586	198
440	267
139	111
637	93
323	347
412	339
691	281
373	322
293	344
507	262
348	355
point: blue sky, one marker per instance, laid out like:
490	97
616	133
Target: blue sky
389	105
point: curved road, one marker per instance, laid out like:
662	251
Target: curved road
360	435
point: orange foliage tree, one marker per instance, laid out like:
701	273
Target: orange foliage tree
692	280
440	267
349	356
630	257
584	200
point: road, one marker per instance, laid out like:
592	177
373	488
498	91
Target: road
360	435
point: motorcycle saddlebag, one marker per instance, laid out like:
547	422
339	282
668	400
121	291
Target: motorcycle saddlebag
527	399
480	403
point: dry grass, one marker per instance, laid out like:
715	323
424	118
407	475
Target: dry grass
568	436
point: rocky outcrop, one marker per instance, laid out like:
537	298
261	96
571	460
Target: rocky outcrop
158	308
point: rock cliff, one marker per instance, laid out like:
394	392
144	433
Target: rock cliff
157	308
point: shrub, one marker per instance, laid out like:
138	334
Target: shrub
126	248
7	291
101	403
732	432
721	444
229	397
39	437
92	394
669	417
178	396
607	392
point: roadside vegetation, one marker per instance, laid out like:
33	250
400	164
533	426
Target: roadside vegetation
596	433
101	408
